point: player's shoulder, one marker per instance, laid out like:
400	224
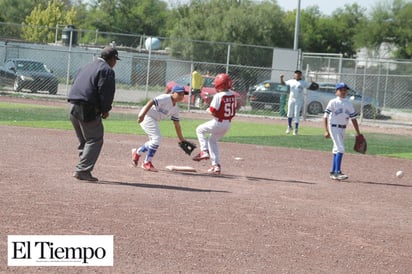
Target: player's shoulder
333	101
163	96
226	93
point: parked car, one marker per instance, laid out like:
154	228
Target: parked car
267	95
28	74
204	99
317	100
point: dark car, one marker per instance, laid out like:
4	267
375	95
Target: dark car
203	99
267	95
317	100
28	74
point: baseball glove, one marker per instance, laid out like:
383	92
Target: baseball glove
187	147
313	86
360	144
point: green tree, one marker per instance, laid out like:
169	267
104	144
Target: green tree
13	13
40	25
228	22
331	34
128	17
390	23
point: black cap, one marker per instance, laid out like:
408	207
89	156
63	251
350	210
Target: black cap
109	52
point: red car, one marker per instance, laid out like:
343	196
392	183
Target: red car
203	99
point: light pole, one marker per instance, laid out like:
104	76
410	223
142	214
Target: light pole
297	23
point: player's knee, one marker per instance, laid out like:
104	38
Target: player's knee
156	141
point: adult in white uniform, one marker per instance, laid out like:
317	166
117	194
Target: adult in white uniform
297	86
337	114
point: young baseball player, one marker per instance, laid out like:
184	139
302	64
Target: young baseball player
337	113
162	106
223	109
295	102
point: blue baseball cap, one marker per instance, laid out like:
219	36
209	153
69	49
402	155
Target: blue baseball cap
178	88
342	85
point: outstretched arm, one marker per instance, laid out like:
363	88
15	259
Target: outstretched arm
282	81
178	129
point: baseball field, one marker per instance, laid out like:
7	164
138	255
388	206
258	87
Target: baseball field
273	211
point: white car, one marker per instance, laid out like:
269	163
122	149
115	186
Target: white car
317	100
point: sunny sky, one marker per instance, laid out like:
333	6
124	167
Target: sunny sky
327	6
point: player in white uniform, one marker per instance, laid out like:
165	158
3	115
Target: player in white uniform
223	109
162	106
295	102
337	113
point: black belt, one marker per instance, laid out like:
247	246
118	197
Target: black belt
339	126
77	102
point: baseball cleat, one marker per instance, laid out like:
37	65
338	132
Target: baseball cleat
342	176
295	131
149	167
203	155
214	169
338	176
334	176
288	130
135	157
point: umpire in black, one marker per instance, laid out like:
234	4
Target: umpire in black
91	98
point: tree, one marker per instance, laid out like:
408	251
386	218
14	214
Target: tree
390	24
331	34
228	22
403	30
127	16
14	12
40	25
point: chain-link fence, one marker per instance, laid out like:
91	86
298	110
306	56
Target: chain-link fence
148	64
387	81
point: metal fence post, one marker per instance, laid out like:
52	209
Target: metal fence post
228	58
69	64
148	71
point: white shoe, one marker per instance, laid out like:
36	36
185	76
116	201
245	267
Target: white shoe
214	169
203	155
288	130
342	176
338	176
295	131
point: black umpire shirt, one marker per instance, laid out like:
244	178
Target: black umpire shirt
94	84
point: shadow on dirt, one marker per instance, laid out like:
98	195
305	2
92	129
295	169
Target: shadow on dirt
379	184
249	178
168	187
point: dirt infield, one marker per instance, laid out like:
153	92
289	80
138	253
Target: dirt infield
275	211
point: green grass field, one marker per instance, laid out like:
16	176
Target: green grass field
28	115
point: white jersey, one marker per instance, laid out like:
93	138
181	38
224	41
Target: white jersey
296	88
339	111
163	107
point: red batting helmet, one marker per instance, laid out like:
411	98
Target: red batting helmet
223	81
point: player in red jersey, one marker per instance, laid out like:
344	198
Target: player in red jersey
223	109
